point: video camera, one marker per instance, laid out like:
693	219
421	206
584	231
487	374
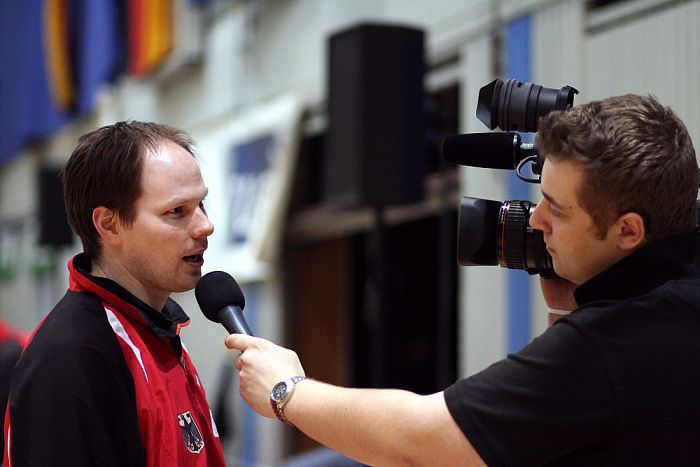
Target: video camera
491	232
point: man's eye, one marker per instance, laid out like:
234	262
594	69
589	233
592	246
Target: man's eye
177	210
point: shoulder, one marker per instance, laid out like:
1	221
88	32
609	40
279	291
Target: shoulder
512	410
78	318
563	355
75	338
672	302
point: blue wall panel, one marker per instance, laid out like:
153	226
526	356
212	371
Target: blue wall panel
517	66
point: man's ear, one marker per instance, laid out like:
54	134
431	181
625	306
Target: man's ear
630	231
107	224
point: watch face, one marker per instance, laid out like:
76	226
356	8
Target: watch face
279	392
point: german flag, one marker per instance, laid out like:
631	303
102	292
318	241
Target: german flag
150	30
56	55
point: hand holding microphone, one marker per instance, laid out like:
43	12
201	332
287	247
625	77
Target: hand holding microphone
262	363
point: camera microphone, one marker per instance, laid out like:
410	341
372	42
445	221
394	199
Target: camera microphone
500	150
222	301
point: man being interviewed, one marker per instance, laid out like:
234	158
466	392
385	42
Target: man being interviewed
615	382
105	379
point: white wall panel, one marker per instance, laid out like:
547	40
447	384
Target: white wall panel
482	301
655	53
557	45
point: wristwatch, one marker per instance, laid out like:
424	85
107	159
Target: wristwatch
281	394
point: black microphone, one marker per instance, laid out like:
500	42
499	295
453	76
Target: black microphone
222	301
498	150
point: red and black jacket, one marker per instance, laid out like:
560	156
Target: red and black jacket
106	381
12	341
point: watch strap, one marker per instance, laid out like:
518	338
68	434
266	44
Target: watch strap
278	407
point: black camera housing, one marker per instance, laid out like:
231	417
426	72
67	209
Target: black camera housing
498	233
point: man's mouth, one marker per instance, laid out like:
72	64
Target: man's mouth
194	259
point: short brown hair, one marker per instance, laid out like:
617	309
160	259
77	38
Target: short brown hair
637	156
105	170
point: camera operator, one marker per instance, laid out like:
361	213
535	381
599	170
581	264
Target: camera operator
615	382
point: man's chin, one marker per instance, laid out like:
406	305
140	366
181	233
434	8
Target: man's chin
563	273
188	284
558	270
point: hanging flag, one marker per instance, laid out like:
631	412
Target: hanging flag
57	54
27	106
150	24
99	39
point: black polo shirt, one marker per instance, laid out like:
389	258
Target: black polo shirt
616	382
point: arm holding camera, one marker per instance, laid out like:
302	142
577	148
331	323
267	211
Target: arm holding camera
374	426
559	296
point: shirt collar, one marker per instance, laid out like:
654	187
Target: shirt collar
166	323
642	270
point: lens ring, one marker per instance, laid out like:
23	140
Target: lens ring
518	245
512	227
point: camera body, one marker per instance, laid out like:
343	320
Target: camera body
498	233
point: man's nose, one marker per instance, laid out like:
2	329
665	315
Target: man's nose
536	221
203	226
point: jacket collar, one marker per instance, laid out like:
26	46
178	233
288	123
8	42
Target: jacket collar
166	323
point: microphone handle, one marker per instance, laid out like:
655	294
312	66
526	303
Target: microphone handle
233	320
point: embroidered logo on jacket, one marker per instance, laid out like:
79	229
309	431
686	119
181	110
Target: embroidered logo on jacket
191	434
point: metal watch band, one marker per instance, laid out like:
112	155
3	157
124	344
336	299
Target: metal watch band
278	406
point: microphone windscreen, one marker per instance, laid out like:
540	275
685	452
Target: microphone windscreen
217	290
489	150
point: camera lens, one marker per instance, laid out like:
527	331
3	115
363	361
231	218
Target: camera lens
519	245
493	233
514	105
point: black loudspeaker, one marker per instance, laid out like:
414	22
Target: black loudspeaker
53	224
374	152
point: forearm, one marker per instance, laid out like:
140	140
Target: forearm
375	426
380	427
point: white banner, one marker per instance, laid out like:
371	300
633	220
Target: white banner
248	163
